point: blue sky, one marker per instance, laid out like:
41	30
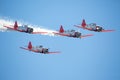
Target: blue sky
93	58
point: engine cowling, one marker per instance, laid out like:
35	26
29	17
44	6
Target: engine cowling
77	34
29	30
99	28
45	51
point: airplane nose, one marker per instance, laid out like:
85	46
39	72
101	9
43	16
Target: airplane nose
78	34
46	50
99	28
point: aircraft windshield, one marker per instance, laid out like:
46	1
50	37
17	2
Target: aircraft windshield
25	25
72	30
40	46
92	25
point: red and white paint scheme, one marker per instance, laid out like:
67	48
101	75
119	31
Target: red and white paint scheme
38	49
23	28
70	33
92	27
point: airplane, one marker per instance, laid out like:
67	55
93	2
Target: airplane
92	27
70	33
38	49
23	28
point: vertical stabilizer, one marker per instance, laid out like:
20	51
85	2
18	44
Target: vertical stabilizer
83	23
30	45
15	25
61	29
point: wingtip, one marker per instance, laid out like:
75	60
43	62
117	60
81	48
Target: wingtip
21	47
57	52
108	30
113	30
90	34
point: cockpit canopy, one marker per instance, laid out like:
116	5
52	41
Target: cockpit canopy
40	46
91	25
70	30
25	25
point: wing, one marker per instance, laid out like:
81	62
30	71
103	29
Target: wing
61	34
86	35
82	27
54	52
78	26
107	30
39	32
13	29
29	49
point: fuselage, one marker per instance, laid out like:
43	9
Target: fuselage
94	27
73	33
25	28
40	49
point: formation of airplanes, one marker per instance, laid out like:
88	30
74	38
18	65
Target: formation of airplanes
68	33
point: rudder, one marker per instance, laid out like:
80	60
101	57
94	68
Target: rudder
15	25
61	29
83	23
30	45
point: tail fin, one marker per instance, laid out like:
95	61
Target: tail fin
30	45
83	23
15	25
61	29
